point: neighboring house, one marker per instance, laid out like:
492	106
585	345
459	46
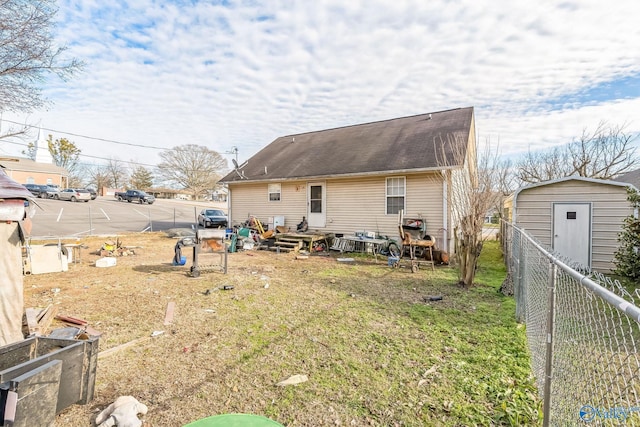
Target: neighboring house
27	171
632	177
170	193
579	218
357	178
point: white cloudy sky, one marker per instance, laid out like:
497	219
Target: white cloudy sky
241	73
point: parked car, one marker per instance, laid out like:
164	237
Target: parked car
75	195
37	190
212	218
53	192
93	193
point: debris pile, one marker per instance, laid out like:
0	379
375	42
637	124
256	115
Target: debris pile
113	249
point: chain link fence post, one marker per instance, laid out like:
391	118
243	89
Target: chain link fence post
548	374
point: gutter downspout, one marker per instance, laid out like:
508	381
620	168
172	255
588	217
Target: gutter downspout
445	212
229	216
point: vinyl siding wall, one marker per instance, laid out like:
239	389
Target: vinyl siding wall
354	204
534	213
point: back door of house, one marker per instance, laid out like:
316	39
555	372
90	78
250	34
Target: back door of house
316	205
572	231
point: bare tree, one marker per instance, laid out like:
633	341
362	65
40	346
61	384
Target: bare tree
604	153
16	130
192	167
28	53
116	173
99	176
471	195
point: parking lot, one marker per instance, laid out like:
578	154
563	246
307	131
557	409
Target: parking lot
107	216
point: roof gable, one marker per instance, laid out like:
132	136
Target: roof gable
402	144
572	178
28	165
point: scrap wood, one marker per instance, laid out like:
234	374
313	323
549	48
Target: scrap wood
74	321
32	322
168	317
39	320
117	348
45	317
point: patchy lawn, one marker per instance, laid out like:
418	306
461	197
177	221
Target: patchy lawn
376	350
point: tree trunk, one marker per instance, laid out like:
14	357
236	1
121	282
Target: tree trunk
468	251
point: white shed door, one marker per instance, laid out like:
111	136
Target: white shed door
572	231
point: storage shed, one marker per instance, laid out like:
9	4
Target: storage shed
577	217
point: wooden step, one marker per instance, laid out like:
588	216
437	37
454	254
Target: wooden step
289	244
289	240
282	249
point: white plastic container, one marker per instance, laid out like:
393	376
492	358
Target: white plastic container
106	262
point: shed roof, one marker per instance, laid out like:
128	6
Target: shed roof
572	178
396	145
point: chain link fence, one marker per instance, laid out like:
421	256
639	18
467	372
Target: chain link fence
582	333
86	219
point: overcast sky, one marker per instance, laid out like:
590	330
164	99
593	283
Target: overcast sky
226	74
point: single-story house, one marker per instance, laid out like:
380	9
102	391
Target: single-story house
27	171
631	177
357	178
577	217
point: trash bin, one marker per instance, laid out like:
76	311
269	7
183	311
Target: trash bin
234	420
77	377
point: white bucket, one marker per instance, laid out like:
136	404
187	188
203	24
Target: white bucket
106	262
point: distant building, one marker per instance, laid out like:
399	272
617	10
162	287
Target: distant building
41	171
27	171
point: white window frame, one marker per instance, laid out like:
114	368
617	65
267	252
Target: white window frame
273	190
403	188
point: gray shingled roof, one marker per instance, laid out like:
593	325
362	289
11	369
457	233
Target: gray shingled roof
397	145
632	177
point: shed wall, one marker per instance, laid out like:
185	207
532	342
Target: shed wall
534	213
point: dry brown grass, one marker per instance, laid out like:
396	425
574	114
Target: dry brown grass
348	327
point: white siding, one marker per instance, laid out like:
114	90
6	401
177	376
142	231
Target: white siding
534	213
253	199
352	204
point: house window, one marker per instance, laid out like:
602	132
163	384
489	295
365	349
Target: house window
274	192
395	195
31	180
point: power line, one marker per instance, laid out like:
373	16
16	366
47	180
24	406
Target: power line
233	150
89	137
92	157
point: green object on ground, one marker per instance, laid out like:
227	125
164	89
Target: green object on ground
244	232
234	420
